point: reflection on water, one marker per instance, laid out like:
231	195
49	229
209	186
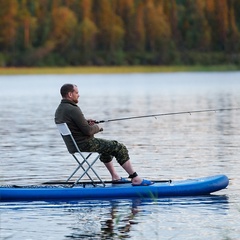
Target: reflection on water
169	147
115	219
124	216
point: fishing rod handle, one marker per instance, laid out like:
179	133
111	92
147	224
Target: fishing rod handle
101	121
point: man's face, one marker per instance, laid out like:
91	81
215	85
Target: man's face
73	96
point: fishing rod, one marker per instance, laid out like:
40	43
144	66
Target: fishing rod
168	114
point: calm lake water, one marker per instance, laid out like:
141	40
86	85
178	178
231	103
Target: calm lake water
167	147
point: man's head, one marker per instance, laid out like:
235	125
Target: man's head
70	92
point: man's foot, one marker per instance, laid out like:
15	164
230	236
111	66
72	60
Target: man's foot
144	183
137	181
120	180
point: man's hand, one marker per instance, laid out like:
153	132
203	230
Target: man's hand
91	122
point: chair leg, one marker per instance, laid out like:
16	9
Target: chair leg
80	166
85	171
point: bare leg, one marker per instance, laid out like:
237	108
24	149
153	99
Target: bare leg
127	166
112	170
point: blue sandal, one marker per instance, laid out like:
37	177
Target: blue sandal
121	180
144	183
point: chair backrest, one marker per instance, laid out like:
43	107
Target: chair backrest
67	137
63	129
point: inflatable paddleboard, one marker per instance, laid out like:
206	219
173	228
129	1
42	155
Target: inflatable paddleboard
62	192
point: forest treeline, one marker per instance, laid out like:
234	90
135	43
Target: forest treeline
119	32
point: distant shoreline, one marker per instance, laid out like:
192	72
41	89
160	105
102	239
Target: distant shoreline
114	69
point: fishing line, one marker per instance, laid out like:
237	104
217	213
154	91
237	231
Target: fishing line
168	114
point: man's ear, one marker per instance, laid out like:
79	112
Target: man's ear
69	94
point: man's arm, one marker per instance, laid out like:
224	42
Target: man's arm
87	127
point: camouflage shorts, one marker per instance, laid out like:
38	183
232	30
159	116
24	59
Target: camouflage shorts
107	149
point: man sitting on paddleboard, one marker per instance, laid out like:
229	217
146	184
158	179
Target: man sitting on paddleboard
83	132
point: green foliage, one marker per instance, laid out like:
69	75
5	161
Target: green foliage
2	60
119	32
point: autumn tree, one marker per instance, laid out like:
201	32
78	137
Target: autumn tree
64	26
73	32
27	23
44	24
126	10
139	30
222	23
157	27
87	32
233	37
8	23
111	31
170	9
195	29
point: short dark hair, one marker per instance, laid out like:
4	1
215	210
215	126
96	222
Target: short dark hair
66	88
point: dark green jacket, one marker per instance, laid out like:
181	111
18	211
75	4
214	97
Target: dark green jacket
69	112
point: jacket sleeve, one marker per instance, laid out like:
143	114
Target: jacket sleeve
82	123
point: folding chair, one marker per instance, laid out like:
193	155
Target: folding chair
67	137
